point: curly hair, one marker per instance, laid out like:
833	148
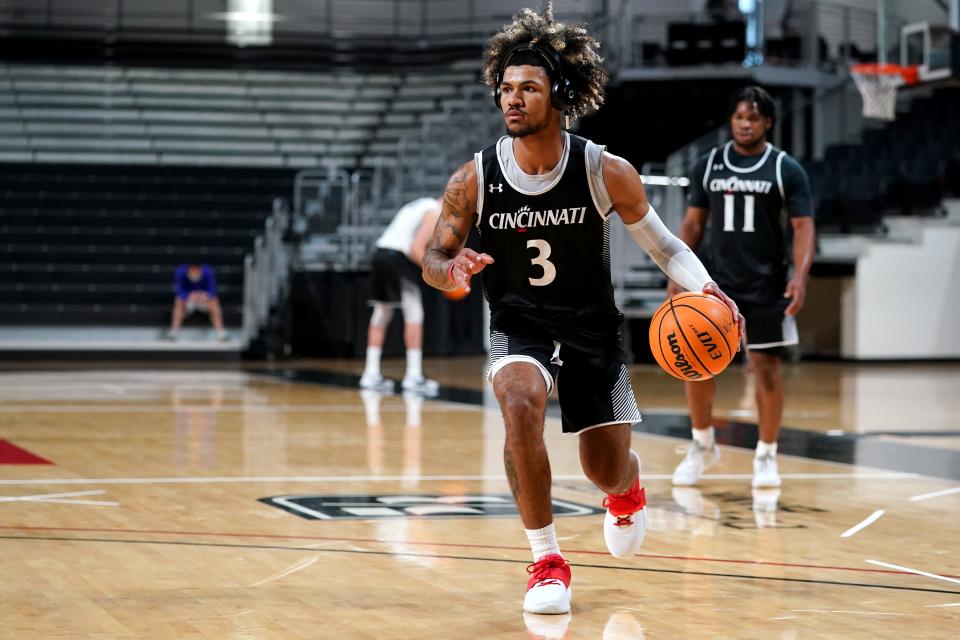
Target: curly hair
579	52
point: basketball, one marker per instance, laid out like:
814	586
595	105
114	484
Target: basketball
455	294
693	336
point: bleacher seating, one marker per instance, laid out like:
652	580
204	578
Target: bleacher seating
97	244
903	168
214	117
114	175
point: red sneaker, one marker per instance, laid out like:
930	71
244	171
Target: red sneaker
548	589
625	525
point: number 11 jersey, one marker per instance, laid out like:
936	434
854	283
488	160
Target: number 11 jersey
750	198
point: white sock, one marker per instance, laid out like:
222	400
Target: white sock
766	449
414	364
706	438
543	542
372	367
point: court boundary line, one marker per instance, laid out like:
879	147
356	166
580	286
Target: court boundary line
474	558
464	545
935	494
866	522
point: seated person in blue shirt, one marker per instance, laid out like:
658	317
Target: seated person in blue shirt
196	289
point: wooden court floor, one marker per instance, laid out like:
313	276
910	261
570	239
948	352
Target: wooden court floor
147	503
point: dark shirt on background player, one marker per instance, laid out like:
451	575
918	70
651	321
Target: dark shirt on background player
750	199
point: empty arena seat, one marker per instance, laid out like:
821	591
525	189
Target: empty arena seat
98	244
213	117
904	167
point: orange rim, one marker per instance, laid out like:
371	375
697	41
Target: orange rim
909	74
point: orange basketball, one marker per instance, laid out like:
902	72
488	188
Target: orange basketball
455	294
693	336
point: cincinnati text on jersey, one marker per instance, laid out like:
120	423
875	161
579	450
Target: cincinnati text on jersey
735	184
524	218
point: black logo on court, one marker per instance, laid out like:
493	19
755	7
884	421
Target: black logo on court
314	507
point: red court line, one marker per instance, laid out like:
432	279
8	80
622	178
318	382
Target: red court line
274	536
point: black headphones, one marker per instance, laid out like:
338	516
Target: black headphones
563	95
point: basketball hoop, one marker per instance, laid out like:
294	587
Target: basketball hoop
878	84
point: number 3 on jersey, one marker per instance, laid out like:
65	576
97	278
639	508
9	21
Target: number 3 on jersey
540	260
729	205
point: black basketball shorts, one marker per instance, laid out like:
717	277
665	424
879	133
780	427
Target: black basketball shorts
594	391
393	272
768	328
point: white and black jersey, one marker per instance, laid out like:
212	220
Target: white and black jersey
750	199
549	288
549	236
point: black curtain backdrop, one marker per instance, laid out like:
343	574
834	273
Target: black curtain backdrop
330	313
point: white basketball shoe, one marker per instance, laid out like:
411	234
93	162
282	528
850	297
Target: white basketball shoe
697	460
625	524
765	473
548	589
421	385
376	383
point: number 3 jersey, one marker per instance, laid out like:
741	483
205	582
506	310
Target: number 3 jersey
549	236
745	247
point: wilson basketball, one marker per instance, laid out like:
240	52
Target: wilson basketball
455	294
693	336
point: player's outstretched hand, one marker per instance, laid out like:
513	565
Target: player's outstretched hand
712	289
465	265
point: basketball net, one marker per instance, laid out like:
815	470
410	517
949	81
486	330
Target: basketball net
878	84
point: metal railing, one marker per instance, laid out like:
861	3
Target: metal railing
322	191
338	213
265	271
340	232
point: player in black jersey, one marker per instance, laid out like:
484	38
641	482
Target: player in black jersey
742	196
541	200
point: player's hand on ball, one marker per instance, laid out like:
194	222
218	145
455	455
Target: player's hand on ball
712	289
467	263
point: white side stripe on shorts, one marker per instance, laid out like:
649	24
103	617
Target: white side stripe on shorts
624	404
498	349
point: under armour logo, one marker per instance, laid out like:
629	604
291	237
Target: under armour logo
498	187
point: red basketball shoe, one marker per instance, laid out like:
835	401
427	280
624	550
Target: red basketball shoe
548	590
625	525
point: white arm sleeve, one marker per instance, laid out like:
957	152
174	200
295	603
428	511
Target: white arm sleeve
669	252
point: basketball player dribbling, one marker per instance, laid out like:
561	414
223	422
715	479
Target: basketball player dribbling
747	189
542	200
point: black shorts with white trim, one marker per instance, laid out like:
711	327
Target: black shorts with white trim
594	390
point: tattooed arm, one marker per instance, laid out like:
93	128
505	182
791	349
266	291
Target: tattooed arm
446	263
